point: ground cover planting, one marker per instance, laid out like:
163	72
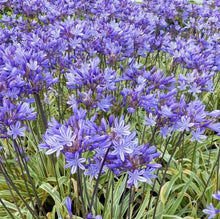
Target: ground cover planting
109	109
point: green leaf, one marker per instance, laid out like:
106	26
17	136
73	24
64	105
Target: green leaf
143	206
52	191
160	209
167	187
166	216
177	202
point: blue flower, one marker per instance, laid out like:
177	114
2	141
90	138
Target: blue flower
165	131
76	162
33	65
93	170
216	195
120	129
131	110
16	130
151	120
211	211
69	205
25	112
136	176
105	103
166	111
148	175
198	135
120	148
194	89
215	127
73	102
90	216
54	145
184	124
66	136
215	113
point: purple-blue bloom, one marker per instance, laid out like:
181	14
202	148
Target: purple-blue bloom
90	216
211	211
215	127
216	195
215	113
66	136
69	205
120	148
151	120
166	111
194	89
73	102
165	131
93	170
52	144
75	162
198	135
105	103
33	65
16	130
148	175
97	49
135	176
184	124
120	128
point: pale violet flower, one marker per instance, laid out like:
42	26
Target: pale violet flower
151	120
136	176
16	130
75	162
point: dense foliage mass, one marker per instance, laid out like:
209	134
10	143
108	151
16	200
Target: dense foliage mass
109	109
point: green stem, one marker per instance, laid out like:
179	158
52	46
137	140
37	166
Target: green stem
130	203
42	113
5	207
97	181
193	156
7	178
79	186
123	197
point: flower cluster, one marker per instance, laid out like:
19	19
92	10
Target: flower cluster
112	144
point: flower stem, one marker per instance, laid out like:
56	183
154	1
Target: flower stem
97	181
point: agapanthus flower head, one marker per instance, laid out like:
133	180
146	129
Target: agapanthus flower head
165	131
33	65
26	112
105	103
52	146
73	102
214	113
148	175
